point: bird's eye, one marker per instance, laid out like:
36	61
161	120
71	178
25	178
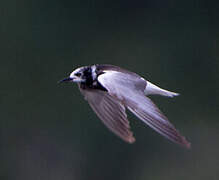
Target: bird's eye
78	74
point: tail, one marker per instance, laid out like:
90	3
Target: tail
153	89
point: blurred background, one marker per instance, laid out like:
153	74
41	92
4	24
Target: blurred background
47	130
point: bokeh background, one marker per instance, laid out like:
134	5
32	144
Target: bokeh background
48	132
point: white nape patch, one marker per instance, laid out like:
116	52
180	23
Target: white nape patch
93	71
153	89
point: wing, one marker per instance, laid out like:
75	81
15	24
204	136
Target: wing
111	112
126	88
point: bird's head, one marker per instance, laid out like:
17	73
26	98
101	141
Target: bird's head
81	75
76	76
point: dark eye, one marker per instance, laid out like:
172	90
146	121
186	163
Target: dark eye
78	74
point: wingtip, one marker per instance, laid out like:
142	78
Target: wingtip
187	145
131	140
173	94
177	94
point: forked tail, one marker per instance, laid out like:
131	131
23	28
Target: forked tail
153	89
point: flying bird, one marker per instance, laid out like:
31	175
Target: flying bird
110	90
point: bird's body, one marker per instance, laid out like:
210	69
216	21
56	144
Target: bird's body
110	90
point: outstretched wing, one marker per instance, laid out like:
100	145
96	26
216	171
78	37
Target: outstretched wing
111	112
127	89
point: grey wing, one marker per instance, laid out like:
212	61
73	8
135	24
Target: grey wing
111	112
147	111
123	87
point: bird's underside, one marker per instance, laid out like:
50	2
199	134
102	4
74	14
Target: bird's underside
117	90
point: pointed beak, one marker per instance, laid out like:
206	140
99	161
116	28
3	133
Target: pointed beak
68	79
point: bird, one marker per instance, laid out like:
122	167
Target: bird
111	90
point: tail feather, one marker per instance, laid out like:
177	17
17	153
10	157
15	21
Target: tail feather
153	89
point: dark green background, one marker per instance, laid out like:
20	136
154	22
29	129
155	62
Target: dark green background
48	132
